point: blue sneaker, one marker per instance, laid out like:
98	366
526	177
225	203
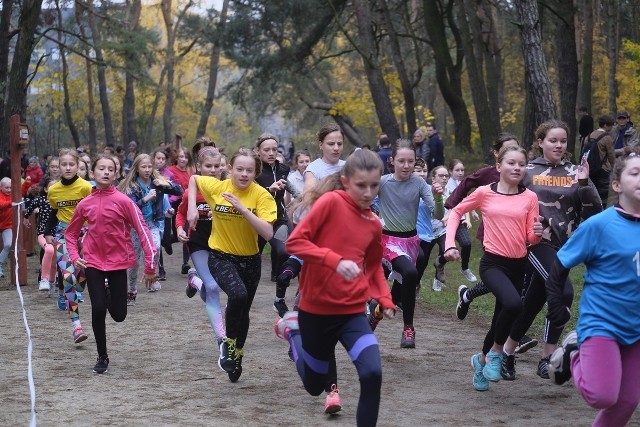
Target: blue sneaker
480	383
80	296
491	370
62	304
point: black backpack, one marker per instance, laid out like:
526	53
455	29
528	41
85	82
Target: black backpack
593	154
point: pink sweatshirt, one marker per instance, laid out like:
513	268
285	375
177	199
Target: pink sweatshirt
508	220
107	245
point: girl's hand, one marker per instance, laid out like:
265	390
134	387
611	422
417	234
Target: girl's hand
537	226
182	235
389	313
583	169
278	185
192	217
437	189
80	263
475	216
161	182
467	223
452	254
171	211
348	269
148	279
151	195
235	202
50	240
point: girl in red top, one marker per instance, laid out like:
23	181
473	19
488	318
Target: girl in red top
511	220
5	220
108	213
338	277
182	171
34	171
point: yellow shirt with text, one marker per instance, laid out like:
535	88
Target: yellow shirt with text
65	198
231	232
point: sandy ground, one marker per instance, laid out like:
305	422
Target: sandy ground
163	370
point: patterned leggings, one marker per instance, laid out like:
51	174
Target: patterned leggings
73	279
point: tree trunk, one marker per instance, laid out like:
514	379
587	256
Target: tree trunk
566	54
213	71
377	86
91	117
488	125
5	25
148	134
493	60
587	54
448	73
129	128
401	69
535	65
613	44
344	122
102	77
167	126
65	82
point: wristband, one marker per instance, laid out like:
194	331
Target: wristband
448	249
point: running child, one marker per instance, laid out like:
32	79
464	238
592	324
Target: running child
63	197
6	220
338	277
510	214
242	210
108	212
603	357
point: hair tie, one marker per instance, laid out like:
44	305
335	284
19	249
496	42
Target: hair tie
207	150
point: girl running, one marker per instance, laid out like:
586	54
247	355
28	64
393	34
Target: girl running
6	220
200	279
47	267
604	355
511	218
181	170
566	196
63	197
108	212
300	160
338	278
241	210
146	187
399	196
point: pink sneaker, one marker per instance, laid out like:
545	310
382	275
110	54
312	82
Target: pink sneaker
332	404
287	323
78	335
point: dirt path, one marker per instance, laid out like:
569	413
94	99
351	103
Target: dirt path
163	371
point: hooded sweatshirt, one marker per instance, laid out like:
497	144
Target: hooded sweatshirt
563	201
319	240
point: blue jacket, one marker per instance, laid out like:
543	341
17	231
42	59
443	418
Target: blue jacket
157	209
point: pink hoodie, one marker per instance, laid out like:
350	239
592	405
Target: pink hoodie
107	245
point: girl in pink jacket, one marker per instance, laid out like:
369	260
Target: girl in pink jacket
108	250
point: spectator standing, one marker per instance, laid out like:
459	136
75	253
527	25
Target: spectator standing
385	151
585	127
436	148
421	145
606	153
624	133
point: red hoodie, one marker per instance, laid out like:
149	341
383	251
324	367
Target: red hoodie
6	212
107	245
35	173
333	230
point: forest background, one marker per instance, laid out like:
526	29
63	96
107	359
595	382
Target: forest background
94	73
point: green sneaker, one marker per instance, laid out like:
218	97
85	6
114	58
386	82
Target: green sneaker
480	383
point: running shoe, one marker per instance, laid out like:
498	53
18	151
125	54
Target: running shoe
191	289
79	296
440	275
288	323
374	313
462	309
237	363
543	368
480	383
526	344
102	365
155	287
469	275
280	307
185	268
162	275
332	403
62	303
131	298
44	285
226	361
560	361
508	368
408	339
437	285
493	365
78	335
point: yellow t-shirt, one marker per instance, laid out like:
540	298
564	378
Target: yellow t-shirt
231	232
65	198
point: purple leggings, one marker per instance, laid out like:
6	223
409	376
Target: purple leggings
607	375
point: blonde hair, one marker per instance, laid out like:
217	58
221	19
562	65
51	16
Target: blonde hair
129	183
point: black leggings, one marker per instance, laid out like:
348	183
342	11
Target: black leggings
112	299
405	292
238	276
504	277
314	347
463	238
279	254
425	253
541	258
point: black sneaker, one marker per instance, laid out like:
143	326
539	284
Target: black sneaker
237	371
525	344
462	309
227	355
162	275
560	361
374	314
543	368
280	307
102	365
185	268
508	367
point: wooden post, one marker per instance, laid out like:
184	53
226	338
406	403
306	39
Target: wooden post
16	197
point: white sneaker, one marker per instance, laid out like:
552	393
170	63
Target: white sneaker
44	285
155	286
469	275
437	285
